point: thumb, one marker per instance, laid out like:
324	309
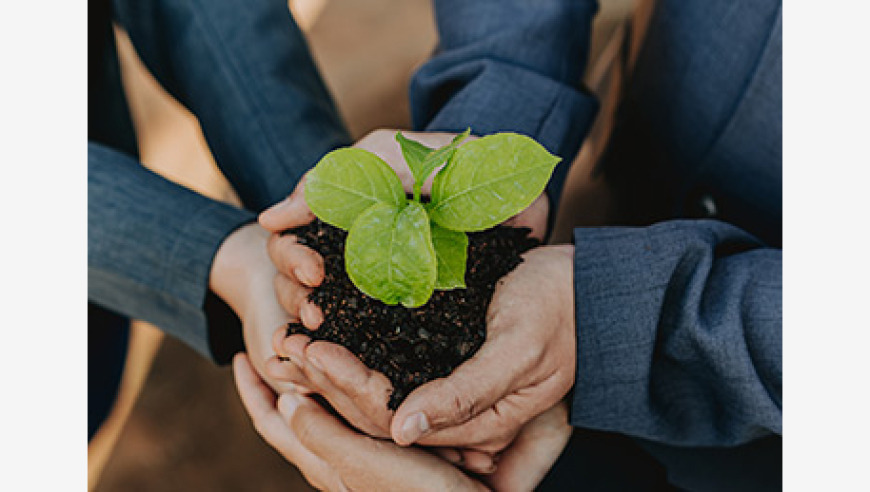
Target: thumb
473	387
291	212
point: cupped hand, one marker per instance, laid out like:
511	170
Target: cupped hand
242	275
332	456
525	365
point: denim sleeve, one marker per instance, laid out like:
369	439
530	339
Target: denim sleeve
245	70
510	65
150	247
679	333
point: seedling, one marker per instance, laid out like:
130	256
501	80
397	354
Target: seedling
398	249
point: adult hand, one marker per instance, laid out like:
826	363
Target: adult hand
330	455
359	394
242	275
524	367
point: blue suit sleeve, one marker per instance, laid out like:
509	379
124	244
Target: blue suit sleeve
245	70
150	247
510	65
679	333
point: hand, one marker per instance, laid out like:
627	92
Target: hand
358	393
242	275
524	367
332	456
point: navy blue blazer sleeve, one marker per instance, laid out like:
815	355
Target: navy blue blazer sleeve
245	70
150	249
510	65
679	333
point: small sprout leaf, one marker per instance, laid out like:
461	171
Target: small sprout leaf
415	153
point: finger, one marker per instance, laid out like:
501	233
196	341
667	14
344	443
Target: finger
528	459
472	388
292	296
478	462
295	260
294	347
343	403
368	390
288	213
495	428
278	341
362	462
256	397
489	432
288	375
451	455
310	315
260	403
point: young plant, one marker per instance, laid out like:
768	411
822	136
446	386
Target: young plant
400	250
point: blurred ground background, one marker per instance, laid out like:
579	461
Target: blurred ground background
179	425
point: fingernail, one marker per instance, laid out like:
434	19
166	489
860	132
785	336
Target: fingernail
288	403
316	363
414	427
302	276
311	316
453	456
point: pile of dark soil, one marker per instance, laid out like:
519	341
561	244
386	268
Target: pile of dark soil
410	346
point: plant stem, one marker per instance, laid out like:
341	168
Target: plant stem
417	188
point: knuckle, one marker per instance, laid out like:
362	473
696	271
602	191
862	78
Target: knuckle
462	408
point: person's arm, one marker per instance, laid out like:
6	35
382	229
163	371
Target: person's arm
245	71
510	65
154	248
679	333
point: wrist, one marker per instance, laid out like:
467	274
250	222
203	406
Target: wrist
241	266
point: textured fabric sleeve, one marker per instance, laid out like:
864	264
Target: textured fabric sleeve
150	247
245	70
679	333
510	65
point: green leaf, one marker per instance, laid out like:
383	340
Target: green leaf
438	157
451	253
389	254
348	181
489	181
415	153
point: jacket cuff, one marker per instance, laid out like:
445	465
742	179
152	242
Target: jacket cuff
189	271
614	276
